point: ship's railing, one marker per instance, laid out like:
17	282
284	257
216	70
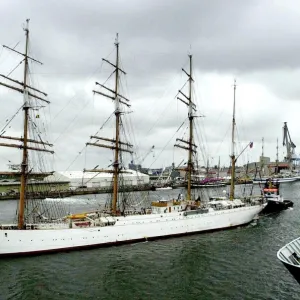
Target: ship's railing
8	227
159	204
166	203
290	253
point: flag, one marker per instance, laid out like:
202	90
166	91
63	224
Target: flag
251	145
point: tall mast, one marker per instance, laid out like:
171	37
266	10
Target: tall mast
190	164
207	167
117	114
190	145
118	146
218	174
277	160
233	160
27	91
262	154
24	165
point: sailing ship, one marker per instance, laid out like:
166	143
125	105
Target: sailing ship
118	224
208	181
234	159
289	255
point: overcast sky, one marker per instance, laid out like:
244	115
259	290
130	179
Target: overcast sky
255	41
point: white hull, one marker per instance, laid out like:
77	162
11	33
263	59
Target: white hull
126	229
163	188
280	180
212	185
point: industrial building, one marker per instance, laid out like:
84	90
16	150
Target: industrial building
78	179
37	182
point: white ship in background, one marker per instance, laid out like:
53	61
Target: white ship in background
37	231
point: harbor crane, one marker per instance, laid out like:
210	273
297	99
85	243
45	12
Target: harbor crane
141	159
147	153
290	146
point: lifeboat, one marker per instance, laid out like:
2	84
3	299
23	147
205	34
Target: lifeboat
83	224
76	216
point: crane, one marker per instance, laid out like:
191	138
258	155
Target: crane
138	166
147	153
290	146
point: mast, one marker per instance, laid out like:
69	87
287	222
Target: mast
277	160
190	145
262	155
233	160
117	114
24	165
218	174
118	146
27	91
190	115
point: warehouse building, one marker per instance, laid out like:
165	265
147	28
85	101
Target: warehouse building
82	179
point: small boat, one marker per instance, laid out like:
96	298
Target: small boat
208	182
208	185
163	188
289	255
275	201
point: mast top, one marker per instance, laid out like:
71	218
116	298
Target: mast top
27	26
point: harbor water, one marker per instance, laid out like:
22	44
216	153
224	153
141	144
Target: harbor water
232	264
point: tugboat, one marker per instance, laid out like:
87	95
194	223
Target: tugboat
289	255
275	201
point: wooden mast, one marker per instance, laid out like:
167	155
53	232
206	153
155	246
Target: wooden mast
191	146
117	114
277	160
24	165
190	163
233	160
262	156
118	146
25	146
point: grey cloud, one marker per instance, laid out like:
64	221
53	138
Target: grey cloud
253	40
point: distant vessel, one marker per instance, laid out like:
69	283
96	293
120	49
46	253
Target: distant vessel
163	188
208	182
289	255
120	222
278	179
